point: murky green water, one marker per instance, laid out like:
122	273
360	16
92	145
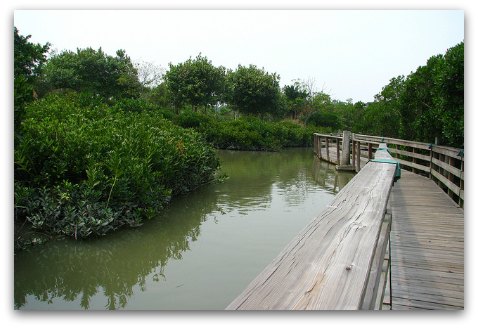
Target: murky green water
199	254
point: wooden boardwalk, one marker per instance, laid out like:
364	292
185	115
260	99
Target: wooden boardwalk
427	246
338	261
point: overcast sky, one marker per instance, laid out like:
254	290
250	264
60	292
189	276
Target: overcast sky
349	54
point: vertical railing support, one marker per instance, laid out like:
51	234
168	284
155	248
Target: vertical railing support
358	156
327	148
344	158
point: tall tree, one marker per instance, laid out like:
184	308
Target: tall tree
453	89
28	61
420	103
196	82
296	98
384	112
92	71
254	91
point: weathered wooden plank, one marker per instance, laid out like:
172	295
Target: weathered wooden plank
410	154
327	265
432	298
455	285
373	285
450	185
423	168
338	136
427	243
421	305
333	157
447	151
393	141
449	168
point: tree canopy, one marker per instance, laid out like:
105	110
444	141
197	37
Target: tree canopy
296	97
254	91
195	82
92	71
28	61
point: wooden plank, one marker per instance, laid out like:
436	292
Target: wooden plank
338	136
373	285
384	154
453	170
456	285
410	154
450	185
392	141
423	168
327	148
358	154
333	157
338	151
427	243
447	151
380	300
423	305
335	249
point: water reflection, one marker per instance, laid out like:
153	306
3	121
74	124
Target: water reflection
332	182
196	246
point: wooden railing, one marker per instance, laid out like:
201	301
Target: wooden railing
360	150
336	262
444	165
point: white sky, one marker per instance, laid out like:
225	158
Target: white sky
349	54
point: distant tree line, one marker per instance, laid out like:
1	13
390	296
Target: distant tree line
427	104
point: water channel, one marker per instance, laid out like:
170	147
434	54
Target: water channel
199	254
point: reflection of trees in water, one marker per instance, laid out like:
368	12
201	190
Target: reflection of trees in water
325	175
253	174
115	264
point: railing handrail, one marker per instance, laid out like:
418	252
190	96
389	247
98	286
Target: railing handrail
443	164
334	261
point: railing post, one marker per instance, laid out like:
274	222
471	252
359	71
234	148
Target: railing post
462	182
358	157
319	147
431	161
370	151
327	148
344	161
414	160
314	143
338	150
451	162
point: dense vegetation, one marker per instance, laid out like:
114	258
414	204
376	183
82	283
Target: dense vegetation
102	142
84	168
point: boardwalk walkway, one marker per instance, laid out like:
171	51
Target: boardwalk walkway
427	246
338	260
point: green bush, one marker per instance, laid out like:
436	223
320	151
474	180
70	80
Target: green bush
252	133
88	169
191	119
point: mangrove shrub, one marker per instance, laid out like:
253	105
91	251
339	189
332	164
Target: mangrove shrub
84	169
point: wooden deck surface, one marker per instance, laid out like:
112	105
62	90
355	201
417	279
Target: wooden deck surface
427	246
